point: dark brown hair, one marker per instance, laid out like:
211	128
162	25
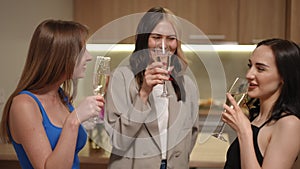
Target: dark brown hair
140	58
54	50
287	59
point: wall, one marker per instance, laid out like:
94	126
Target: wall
202	64
18	24
234	65
18	21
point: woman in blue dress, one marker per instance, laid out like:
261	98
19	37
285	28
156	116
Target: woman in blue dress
39	118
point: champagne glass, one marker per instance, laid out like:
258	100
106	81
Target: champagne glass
163	54
100	80
238	91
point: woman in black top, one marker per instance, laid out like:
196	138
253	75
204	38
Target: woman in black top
271	138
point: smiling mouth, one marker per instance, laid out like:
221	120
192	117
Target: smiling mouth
252	85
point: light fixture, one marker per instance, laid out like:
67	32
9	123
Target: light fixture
186	48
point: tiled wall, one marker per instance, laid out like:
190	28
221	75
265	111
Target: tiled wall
229	63
207	68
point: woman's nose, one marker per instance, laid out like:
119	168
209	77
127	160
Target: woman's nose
89	57
161	42
250	74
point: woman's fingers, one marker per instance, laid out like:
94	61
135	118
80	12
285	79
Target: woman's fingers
154	74
100	101
232	100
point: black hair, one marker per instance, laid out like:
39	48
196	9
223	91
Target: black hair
287	59
140	59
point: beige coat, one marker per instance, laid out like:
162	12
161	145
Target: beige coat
133	127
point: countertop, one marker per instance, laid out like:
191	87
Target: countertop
210	154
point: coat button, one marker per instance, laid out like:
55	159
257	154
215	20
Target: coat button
177	154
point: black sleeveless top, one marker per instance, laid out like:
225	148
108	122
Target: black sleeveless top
233	160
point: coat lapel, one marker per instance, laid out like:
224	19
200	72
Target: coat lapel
152	126
174	106
173	126
174	123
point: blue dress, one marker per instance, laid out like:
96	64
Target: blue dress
53	134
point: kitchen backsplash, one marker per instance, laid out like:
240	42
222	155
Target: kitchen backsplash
210	69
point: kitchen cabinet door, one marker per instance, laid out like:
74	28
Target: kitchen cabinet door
293	23
261	19
99	13
217	19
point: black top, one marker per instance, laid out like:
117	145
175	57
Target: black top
233	160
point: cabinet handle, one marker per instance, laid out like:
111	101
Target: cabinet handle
255	41
211	37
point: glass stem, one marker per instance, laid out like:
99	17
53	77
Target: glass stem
164	88
222	128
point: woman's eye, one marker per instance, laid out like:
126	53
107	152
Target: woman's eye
260	69
249	65
155	36
172	38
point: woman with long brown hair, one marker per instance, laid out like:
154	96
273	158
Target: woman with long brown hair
146	130
39	118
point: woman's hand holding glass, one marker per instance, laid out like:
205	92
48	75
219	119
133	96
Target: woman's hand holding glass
100	81
154	74
237	92
157	72
235	117
89	107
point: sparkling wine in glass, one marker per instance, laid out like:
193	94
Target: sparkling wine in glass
238	91
101	79
163	54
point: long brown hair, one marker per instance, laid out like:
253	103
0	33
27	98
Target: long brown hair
53	53
140	56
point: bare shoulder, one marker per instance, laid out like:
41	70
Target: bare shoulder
288	126
288	122
24	115
23	103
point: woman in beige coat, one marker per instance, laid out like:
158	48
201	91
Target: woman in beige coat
148	131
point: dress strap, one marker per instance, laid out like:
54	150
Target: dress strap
264	124
44	114
66	99
270	120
